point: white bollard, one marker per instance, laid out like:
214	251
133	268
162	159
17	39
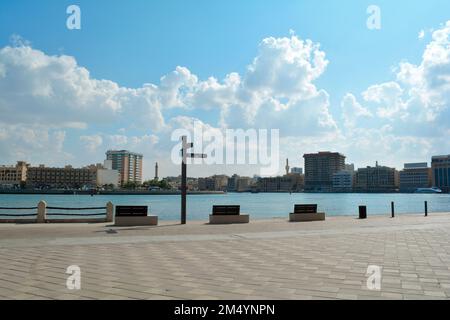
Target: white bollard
109	212
42	212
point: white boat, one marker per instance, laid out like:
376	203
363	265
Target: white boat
428	190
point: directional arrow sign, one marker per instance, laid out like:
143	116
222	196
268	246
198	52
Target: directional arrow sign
197	155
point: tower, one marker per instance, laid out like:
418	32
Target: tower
287	167
156	171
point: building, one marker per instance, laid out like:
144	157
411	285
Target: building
106	176
129	165
244	184
214	183
349	167
296	170
13	176
376	179
287	183
206	184
414	176
232	183
343	181
440	167
320	168
61	178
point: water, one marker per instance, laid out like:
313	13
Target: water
259	206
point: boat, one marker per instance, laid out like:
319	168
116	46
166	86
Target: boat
428	190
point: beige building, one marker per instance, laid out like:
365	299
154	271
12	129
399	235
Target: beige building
415	176
287	183
376	179
61	178
13	176
129	165
214	183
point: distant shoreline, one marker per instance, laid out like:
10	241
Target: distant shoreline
169	193
109	193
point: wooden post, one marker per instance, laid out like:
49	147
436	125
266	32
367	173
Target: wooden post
426	208
42	212
392	209
109	212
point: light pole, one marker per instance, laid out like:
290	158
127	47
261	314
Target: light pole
185	155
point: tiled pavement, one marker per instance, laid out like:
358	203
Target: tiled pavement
263	260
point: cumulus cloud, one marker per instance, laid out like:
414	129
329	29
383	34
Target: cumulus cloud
413	111
92	143
352	110
48	97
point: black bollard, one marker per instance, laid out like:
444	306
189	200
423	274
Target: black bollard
426	208
362	212
392	209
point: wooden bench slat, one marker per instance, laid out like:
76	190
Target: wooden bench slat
226	210
305	208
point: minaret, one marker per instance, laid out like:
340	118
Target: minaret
287	166
156	172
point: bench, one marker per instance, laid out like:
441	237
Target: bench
228	214
306	212
127	216
226	210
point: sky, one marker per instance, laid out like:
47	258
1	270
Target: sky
138	70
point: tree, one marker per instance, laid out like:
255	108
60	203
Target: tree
130	185
163	184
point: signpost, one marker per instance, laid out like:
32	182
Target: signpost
185	155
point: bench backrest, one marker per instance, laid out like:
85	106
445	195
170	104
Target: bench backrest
305	208
131	211
226	210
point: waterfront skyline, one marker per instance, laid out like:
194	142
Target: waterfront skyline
370	94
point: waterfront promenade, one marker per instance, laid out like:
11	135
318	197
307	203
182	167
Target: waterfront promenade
270	259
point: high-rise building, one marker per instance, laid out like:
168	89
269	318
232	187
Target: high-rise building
129	165
376	179
296	170
320	168
414	176
13	176
440	166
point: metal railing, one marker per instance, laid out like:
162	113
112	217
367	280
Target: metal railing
65	214
57	214
19	215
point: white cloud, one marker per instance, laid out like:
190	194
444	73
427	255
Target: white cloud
352	110
92	143
47	97
412	113
421	34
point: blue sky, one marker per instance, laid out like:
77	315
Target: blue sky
136	42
